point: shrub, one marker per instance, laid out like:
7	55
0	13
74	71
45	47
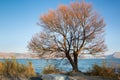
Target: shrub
11	68
50	69
30	70
104	71
1	69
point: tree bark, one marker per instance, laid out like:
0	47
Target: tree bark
75	68
74	62
70	59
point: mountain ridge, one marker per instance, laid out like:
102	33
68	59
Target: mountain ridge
52	56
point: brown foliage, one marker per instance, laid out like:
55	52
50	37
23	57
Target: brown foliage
51	69
104	71
13	69
72	29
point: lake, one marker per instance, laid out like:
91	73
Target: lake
63	64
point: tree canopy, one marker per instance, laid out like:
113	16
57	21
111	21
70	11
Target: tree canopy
72	30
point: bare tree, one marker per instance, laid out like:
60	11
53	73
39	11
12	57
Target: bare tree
72	30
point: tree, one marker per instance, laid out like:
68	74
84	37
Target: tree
72	30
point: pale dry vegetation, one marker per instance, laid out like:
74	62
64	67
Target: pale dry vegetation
13	69
104	71
51	69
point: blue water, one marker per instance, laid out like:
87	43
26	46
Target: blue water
63	64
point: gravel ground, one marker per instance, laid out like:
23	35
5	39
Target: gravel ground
81	76
73	76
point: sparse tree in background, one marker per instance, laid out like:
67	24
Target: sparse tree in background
72	30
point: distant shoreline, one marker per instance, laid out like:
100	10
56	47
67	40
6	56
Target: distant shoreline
61	58
11	55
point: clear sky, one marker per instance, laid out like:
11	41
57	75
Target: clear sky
18	20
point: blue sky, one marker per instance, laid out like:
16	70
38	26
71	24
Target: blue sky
18	20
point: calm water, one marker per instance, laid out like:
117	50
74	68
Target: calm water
63	64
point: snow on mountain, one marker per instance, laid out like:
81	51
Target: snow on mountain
54	55
90	56
114	55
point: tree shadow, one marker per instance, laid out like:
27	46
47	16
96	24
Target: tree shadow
36	78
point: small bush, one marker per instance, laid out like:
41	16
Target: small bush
1	68
11	68
30	70
50	69
104	71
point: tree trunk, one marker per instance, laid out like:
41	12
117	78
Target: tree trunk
75	68
70	59
74	63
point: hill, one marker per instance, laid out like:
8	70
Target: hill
114	55
54	55
9	55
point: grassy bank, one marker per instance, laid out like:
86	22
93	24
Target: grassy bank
97	72
13	70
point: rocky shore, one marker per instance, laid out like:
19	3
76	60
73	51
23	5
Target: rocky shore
72	76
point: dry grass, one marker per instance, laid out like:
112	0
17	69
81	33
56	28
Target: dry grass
30	70
51	69
104	71
13	69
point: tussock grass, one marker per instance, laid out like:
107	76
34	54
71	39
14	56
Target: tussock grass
104	71
30	70
11	68
51	69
